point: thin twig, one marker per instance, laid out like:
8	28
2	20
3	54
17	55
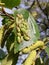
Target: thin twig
7	14
31	5
42	9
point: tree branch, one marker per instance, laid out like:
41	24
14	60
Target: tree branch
42	9
31	5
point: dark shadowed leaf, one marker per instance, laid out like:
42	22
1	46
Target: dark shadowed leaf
8	59
6	21
38	62
10	41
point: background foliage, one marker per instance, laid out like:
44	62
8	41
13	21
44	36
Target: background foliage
40	14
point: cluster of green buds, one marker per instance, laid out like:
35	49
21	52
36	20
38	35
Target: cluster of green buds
22	28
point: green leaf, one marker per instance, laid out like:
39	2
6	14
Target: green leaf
38	62
15	58
24	12
16	44
47	50
16	47
35	27
6	21
11	3
47	62
10	41
34	31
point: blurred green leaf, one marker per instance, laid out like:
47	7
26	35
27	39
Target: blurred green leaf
11	3
6	21
38	62
16	47
47	62
16	44
35	27
47	50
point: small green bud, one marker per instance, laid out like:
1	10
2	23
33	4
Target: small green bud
18	29
19	34
26	38
19	39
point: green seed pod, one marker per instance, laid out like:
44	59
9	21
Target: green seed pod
25	27
23	30
18	29
38	44
22	19
1	33
21	25
26	37
31	58
17	21
24	23
18	39
21	38
19	34
20	16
